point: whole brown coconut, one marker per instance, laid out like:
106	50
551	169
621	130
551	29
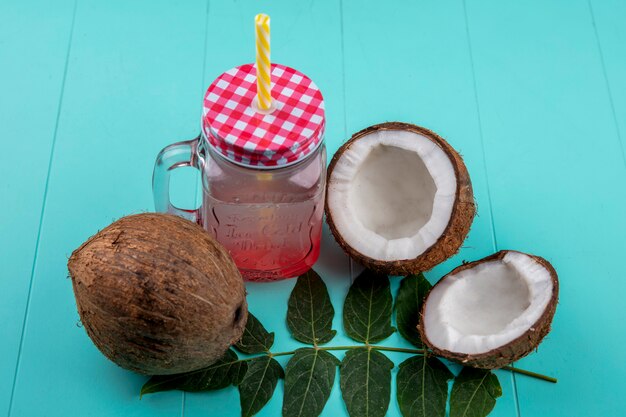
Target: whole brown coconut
158	295
399	198
492	312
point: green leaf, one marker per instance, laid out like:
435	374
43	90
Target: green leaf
365	381
474	393
258	385
309	378
310	312
226	371
255	338
367	309
409	302
423	387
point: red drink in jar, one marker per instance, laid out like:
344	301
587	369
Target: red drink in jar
263	172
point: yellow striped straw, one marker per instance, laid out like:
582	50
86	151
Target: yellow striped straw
263	63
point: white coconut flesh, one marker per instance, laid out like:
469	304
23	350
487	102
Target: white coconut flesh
485	307
391	194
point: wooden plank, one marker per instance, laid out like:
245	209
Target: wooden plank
410	61
133	86
31	81
306	36
555	170
608	19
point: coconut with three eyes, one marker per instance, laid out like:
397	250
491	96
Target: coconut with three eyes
158	295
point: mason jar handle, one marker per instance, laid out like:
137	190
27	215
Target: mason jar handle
176	155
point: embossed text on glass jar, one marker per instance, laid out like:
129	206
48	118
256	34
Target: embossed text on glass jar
271	220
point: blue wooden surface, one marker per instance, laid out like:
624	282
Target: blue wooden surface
533	94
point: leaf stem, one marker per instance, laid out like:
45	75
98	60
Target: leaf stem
290	352
415	352
530	373
396	349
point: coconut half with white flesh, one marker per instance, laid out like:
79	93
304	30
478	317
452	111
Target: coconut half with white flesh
491	312
399	199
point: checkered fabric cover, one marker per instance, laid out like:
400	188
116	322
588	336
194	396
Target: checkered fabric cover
236	129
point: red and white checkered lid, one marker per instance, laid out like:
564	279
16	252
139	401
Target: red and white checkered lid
245	135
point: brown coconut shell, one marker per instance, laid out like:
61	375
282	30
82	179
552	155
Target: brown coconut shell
454	234
515	349
158	295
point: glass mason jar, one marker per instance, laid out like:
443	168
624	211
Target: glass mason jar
263	181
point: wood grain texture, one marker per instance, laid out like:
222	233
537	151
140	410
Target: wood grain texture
532	94
132	87
412	63
607	19
555	170
31	84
